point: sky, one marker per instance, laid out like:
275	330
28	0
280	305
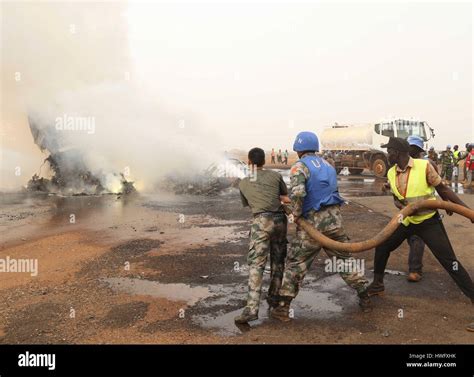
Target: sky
165	79
261	72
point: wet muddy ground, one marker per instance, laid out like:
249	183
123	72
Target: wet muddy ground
172	269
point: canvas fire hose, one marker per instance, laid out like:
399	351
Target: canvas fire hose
385	233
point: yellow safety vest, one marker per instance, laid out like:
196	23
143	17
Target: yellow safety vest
417	189
456	157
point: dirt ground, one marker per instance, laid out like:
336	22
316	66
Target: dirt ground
172	269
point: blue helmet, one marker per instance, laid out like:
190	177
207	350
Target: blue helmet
416	140
306	141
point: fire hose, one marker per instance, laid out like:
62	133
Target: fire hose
385	233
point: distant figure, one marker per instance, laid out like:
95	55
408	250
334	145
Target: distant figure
456	151
469	165
457	157
447	164
273	156
466	154
285	157
279	157
432	155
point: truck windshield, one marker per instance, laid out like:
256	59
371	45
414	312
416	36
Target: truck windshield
407	128
404	128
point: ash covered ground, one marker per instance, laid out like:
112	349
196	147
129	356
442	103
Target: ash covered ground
167	268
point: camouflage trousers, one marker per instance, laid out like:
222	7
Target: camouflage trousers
303	249
267	237
447	172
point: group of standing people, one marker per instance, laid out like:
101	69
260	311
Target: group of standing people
313	195
448	165
450	161
282	158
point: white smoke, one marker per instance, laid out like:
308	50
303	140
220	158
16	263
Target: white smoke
124	130
70	71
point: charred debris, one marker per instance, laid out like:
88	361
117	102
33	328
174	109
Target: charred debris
70	173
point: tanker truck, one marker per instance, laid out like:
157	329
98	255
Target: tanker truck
357	146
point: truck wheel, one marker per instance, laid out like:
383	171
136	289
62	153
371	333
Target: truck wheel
379	167
355	170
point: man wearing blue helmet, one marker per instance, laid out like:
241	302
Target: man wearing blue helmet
314	195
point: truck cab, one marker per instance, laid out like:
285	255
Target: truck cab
376	158
401	128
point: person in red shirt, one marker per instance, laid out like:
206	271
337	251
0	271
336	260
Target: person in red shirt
469	165
273	156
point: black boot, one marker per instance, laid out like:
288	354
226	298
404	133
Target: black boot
376	287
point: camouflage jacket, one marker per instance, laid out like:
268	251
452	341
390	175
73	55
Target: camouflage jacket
447	158
433	156
298	175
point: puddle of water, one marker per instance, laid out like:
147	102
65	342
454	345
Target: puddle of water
223	294
174	292
209	220
360	186
324	298
363	185
393	272
322	303
224	324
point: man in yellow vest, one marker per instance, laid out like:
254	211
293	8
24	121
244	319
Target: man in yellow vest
412	180
457	157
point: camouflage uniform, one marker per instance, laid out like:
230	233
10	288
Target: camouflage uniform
433	156
267	236
447	165
303	249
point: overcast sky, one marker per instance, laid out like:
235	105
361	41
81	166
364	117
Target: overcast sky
196	77
261	72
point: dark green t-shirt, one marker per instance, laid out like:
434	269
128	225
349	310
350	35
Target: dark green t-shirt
263	193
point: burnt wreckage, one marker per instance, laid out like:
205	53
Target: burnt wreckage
71	176
217	178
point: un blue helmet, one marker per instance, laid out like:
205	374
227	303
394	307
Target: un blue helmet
416	140
306	141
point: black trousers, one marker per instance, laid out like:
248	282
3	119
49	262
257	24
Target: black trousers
415	255
434	235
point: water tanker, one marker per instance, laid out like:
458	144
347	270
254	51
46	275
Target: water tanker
357	146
